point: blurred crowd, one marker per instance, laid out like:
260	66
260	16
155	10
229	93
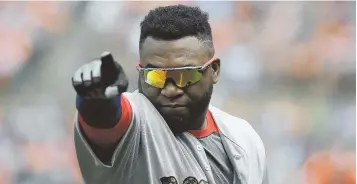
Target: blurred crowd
289	68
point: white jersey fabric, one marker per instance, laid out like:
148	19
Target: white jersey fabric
149	153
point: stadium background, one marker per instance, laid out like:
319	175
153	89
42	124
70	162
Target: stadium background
287	67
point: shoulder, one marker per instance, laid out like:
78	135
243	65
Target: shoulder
141	106
136	100
135	97
239	131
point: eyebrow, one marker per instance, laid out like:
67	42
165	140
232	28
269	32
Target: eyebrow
153	66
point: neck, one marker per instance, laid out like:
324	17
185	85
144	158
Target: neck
199	123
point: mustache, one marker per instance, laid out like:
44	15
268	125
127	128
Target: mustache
181	102
173	105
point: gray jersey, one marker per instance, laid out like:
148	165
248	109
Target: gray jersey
222	168
149	153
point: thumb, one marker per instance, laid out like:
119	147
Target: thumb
111	91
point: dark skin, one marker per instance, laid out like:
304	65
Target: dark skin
188	51
196	97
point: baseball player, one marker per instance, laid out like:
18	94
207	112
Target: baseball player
166	132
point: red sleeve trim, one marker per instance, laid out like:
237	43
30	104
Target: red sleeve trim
112	135
208	130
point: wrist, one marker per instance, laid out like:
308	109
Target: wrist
99	112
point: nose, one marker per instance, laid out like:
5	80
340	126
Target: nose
171	91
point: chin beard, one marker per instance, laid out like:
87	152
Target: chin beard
176	124
193	120
195	117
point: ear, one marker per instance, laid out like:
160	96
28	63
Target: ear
216	66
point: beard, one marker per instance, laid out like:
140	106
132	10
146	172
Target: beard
191	120
195	117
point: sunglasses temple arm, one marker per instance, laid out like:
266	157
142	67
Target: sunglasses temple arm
209	62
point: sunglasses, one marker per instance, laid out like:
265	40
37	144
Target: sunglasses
182	76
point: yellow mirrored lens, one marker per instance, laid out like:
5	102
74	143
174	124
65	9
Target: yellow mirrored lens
182	78
155	78
191	77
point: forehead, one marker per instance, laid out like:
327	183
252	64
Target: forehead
176	53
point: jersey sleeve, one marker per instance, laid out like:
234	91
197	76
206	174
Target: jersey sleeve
266	176
146	132
125	137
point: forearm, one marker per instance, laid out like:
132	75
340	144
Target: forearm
103	123
102	119
99	112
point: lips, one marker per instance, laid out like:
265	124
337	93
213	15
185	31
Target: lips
173	105
175	110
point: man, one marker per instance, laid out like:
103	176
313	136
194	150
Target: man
166	132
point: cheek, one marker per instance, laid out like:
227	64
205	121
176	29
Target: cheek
150	92
199	89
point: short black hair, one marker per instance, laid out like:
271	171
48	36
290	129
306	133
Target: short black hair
175	22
